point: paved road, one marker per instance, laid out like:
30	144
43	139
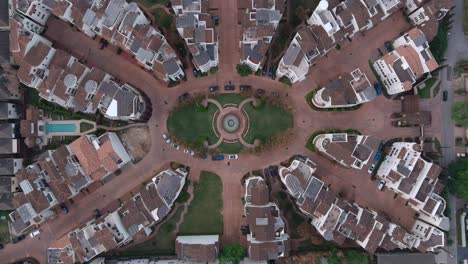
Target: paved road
372	118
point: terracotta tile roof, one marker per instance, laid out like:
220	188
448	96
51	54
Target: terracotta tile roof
87	155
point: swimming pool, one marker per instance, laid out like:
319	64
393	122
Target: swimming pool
60	128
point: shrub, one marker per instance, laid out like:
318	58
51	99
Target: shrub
243	70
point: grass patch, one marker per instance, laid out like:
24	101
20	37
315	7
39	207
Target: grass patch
163	243
230	98
356	257
267	122
439	44
85	127
425	93
149	3
162	18
204	216
294	218
310	145
4	232
230	148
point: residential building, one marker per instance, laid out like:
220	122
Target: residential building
8	186
338	220
197	28
267	239
348	90
400	69
32	128
148	206
9	166
199	249
126	26
100	156
9	111
426	14
349	150
259	21
9	143
406	173
34	12
60	78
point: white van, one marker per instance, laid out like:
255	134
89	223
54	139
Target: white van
35	233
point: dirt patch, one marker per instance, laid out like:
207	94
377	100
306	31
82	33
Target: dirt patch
137	141
308	258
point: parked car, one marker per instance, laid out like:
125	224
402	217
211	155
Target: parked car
264	71
174	145
245	229
213	88
165	136
97	213
273	170
229	87
371	169
189	152
184	97
34	233
271	71
461	155
218	157
201	156
260	92
195	73
64	208
377	88
266	172
381	185
275	94
233	156
1	246
444	95
377	156
245	88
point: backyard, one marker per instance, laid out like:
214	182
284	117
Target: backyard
204	216
4	233
163	243
425	92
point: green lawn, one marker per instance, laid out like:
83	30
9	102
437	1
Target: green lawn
193	125
149	3
231	148
426	92
163	243
162	18
4	232
233	98
439	44
267	122
204	216
85	127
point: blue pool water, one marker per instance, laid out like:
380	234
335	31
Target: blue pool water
57	128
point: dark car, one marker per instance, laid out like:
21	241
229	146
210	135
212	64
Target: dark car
266	173
377	88
272	170
245	230
260	92
271	72
1	246
195	73
444	95
264	71
218	157
213	88
97	214
245	88
64	208
21	237
184	97
229	87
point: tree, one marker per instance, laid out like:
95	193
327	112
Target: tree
460	113
232	254
356	257
458	181
243	70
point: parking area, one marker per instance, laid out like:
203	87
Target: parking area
4	45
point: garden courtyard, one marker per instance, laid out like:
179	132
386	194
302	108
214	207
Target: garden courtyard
228	123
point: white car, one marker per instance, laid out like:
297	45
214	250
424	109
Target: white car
461	155
371	169
189	152
381	185
233	156
177	147
35	233
166	138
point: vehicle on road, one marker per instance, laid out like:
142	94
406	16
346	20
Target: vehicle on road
245	88
213	88
444	95
377	156
381	185
218	157
377	88
189	152
64	208
371	169
233	156
35	233
229	87
195	73
174	145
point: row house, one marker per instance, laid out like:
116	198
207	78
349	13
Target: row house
60	78
137	215
338	220
406	173
348	90
197	249
259	21
60	174
126	26
409	62
331	23
196	27
267	237
426	14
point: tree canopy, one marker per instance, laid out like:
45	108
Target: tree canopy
232	254
460	113
243	70
458	184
